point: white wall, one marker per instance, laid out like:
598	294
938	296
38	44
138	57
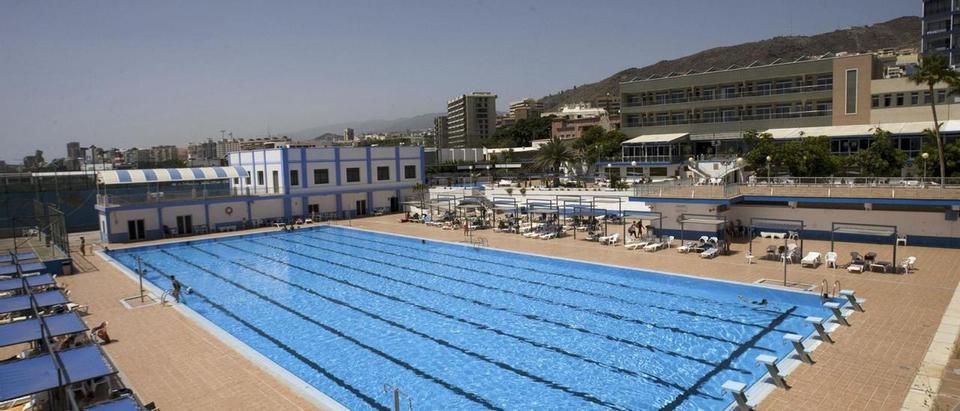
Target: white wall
266	209
382	199
118	220
327	203
349	200
930	224
195	211
218	212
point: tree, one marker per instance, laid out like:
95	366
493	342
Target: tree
520	133
759	147
421	189
933	70
808	157
882	158
551	156
595	144
951	157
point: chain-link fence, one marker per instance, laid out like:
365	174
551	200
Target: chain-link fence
38	227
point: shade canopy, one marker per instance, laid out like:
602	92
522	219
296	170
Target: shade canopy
874	231
776	224
8	258
119	404
32	267
32	281
657	138
37	374
22	302
702	220
165	175
29	330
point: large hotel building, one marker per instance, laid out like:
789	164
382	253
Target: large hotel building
471	117
844	96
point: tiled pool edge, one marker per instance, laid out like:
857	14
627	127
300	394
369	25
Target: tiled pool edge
296	384
756	392
926	384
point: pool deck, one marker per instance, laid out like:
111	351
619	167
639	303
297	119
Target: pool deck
167	358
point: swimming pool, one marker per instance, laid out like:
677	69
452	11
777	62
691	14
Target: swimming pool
455	327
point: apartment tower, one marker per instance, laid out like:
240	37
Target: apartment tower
471	117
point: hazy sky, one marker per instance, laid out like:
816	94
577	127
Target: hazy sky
137	73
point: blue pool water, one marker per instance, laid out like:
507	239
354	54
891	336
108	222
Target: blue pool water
456	327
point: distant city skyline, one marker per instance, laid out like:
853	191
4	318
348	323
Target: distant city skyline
121	74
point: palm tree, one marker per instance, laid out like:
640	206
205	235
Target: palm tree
934	70
551	156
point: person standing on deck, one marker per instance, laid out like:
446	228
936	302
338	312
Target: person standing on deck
83	246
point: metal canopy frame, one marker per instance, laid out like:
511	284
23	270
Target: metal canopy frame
701	219
504	204
777	224
875	230
642	215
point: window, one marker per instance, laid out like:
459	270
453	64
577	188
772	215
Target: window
236	181
875	101
887	100
409	171
294	177
914	98
926	97
321	176
941	96
248	178
260	178
353	174
851	99
899	99
383	173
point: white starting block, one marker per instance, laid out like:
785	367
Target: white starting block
855	302
771	363
837	312
737	389
797	342
817	324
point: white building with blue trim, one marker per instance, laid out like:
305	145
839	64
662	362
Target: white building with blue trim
259	187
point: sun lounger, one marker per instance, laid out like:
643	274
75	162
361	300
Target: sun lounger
710	253
636	245
654	246
811	259
549	236
610	239
687	247
855	268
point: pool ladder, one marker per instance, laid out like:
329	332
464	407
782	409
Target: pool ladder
387	389
825	288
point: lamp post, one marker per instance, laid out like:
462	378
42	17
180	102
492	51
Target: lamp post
769	159
924	156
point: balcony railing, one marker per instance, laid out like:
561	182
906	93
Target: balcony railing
730	119
826	187
772	91
651	159
164	195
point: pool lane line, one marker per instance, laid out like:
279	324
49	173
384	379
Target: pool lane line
481	326
576	307
420	373
440	341
543	284
313	365
531	269
738	352
508	310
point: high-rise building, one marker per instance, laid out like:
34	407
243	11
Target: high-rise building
611	103
471	117
525	109
440	130
939	32
226	146
349	134
74	155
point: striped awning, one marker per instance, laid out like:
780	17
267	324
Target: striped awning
164	175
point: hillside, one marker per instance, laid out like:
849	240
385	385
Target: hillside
903	32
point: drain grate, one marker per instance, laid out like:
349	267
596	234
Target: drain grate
136	302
